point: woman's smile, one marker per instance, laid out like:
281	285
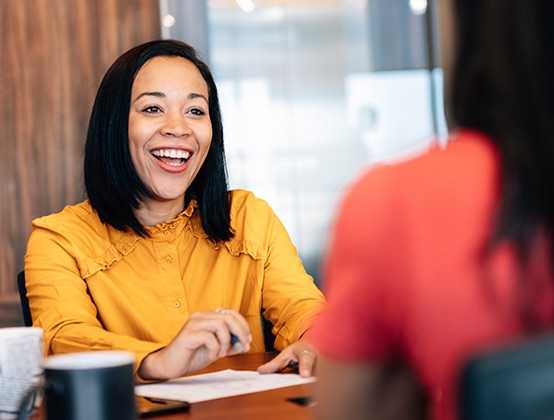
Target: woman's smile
171	156
171	160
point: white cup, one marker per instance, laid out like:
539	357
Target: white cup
21	366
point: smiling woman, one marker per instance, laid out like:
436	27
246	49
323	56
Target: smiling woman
117	181
170	133
161	245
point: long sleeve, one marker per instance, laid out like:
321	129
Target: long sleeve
290	299
60	298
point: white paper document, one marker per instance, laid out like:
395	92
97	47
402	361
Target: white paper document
225	383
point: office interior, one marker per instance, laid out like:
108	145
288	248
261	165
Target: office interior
312	92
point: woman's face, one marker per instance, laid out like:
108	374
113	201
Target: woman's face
169	127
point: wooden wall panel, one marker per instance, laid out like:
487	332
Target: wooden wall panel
54	53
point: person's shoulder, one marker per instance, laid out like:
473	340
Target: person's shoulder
465	152
468	144
246	202
468	157
80	212
251	220
462	147
452	169
251	217
73	220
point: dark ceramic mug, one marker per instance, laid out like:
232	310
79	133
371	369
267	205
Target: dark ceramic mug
96	385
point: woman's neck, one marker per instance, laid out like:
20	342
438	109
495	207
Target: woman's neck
154	212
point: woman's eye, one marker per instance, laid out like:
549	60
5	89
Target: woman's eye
151	109
197	111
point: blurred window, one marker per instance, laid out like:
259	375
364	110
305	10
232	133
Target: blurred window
314	90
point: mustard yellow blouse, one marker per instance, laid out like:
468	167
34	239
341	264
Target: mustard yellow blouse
92	287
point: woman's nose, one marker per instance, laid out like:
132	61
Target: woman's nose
176	125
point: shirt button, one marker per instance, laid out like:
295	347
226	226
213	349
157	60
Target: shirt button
177	304
168	259
167	233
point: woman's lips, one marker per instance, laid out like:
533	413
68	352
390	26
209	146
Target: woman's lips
175	158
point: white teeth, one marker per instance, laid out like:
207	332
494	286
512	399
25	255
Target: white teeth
171	153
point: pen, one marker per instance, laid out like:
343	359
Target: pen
235	342
293	364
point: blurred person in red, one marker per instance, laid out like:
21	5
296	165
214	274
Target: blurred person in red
448	253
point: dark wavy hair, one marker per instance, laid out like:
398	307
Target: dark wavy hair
113	186
503	85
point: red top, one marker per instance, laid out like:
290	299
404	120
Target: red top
405	275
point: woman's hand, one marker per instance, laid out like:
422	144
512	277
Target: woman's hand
299	352
205	337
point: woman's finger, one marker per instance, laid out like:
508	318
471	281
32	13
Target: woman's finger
306	361
240	336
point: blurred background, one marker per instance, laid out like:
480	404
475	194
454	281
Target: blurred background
312	92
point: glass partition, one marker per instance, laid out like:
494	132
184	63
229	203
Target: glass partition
312	91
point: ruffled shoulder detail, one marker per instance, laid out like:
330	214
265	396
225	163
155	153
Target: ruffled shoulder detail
119	249
251	220
94	245
238	246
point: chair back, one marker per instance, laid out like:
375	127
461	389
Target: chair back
26	311
511	383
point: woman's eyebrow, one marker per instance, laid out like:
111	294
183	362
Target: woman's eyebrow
197	95
162	95
156	94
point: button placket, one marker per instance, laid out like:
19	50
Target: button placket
170	276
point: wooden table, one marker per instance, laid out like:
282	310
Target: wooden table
265	405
